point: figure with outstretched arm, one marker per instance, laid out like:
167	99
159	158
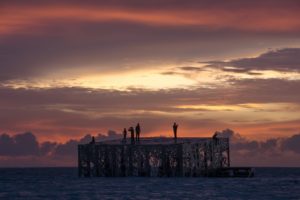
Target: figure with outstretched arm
138	131
175	126
131	129
124	135
215	136
93	140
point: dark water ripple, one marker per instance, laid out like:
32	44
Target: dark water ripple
63	183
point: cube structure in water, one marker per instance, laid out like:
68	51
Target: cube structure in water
154	157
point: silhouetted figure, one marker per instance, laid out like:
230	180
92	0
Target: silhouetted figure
131	129
124	135
215	135
175	126
138	131
93	140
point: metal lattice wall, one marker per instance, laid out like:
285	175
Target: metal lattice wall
151	157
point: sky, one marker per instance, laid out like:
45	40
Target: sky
69	70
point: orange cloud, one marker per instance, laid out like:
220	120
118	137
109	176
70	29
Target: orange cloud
21	18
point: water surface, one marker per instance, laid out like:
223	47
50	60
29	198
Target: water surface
63	183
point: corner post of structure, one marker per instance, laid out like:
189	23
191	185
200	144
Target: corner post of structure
212	154
228	152
79	162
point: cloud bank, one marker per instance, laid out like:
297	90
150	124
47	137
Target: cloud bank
24	150
284	60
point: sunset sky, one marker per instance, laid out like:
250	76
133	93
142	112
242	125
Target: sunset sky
86	67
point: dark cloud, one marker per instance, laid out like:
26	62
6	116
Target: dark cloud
46	148
190	68
243	150
285	60
292	143
170	73
24	148
19	145
269	144
242	144
68	148
26	144
271	152
265	90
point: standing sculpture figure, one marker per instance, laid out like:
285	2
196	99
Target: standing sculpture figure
93	140
131	134
175	126
138	131
124	135
215	138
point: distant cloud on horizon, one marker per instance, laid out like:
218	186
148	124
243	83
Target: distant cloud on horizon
24	150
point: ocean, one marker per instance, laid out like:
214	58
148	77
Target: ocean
63	183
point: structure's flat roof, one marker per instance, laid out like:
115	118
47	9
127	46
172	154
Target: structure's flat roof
159	140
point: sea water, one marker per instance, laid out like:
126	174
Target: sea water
63	183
